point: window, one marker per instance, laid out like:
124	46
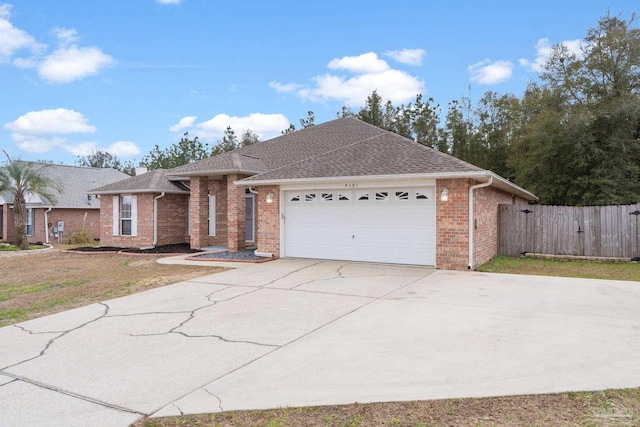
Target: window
382	195
364	196
30	222
421	196
310	197
402	195
327	197
343	197
295	198
125	215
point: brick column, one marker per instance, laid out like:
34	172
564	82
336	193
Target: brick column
268	224
199	212
235	214
452	225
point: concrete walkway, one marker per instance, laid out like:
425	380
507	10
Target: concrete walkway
305	332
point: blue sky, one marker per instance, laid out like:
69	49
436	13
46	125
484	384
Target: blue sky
123	76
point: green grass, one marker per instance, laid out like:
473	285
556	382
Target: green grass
11	248
563	268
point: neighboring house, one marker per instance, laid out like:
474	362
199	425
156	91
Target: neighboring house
343	190
73	207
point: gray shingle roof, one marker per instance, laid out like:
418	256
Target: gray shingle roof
342	147
75	183
155	181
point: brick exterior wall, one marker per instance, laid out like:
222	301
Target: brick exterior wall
172	221
452	226
268	220
485	210
74	220
199	212
218	188
236	225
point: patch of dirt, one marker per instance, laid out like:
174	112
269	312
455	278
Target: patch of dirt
40	284
551	410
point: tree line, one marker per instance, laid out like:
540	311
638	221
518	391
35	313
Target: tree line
572	137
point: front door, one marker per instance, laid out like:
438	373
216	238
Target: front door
250	218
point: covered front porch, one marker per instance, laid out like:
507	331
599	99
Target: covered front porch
222	214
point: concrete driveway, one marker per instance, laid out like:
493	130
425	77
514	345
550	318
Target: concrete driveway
304	332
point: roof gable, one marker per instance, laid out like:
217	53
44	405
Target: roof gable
155	181
74	182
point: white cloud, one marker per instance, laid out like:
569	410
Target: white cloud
37	144
67	64
489	72
43	131
123	149
407	56
365	63
80	149
66	36
367	73
284	88
12	39
56	122
184	123
265	125
120	149
543	51
38	131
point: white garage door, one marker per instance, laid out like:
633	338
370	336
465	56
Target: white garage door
394	225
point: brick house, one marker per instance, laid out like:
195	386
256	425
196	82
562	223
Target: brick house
342	190
73	207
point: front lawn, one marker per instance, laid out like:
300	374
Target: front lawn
5	247
38	284
563	268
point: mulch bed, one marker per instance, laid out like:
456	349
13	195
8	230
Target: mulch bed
247	255
165	249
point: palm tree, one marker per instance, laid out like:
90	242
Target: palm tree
19	179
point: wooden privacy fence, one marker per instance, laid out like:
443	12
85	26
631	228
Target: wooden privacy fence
593	231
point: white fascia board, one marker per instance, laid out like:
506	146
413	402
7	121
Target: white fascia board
498	182
139	191
214	172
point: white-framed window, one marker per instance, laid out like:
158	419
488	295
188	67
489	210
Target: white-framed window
30	222
125	215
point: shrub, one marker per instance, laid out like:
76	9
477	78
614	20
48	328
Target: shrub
79	236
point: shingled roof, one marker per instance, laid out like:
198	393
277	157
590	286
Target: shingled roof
345	147
355	143
155	181
74	183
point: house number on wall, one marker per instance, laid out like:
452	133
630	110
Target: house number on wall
352	185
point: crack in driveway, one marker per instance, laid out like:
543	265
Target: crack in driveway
54	339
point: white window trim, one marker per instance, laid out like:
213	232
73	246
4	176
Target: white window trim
116	216
30	222
116	226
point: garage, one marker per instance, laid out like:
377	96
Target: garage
389	224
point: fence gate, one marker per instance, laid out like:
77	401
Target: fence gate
598	231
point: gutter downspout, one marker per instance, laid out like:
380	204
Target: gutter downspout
155	218
46	225
471	218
